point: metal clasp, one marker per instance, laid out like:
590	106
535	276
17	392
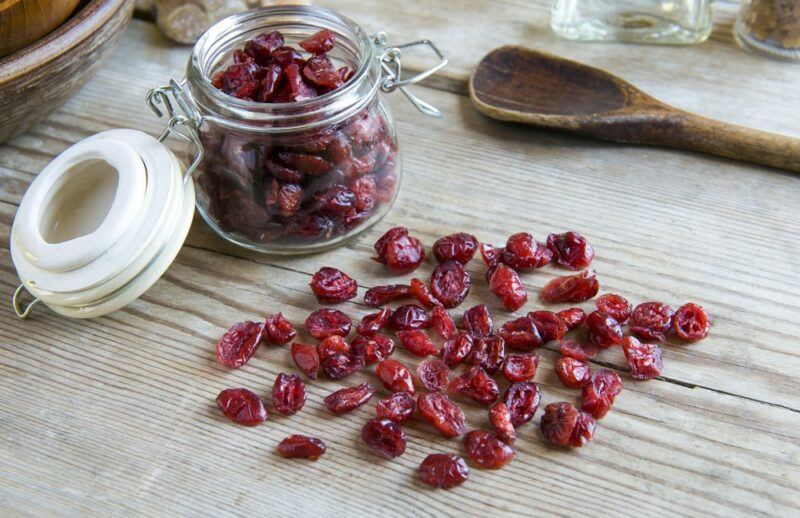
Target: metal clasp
16	302
185	125
393	69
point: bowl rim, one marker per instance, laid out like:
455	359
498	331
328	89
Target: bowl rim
78	27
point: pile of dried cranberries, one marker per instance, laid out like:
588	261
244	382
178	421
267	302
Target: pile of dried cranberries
489	352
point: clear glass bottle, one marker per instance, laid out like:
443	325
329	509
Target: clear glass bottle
639	21
770	27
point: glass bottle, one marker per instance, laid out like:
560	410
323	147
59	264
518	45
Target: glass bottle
638	21
770	27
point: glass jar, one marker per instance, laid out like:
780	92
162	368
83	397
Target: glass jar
639	21
300	177
770	27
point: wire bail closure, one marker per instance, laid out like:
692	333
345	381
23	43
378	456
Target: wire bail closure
390	58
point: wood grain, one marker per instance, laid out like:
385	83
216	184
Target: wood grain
116	415
22	22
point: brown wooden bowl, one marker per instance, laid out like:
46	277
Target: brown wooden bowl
22	22
39	78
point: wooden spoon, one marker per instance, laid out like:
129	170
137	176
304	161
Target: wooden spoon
521	85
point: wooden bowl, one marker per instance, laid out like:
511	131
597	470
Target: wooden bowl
25	21
39	78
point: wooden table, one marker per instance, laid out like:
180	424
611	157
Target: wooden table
116	415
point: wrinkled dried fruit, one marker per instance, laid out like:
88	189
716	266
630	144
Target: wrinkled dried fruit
520	367
395	376
549	325
572	317
644	359
570	250
571	288
320	42
500	418
239	344
521	333
573	373
301	447
288	393
326	322
306	358
278	330
441	412
384	436
443	470
486	450
332	285
372	348
506	285
332	345
371	324
477	385
522	252
399	407
522	399
242	406
615	305
691	323
578	350
417	342
456	349
488	352
564	425
604	331
400	252
459	247
409	316
443	323
477	321
651	321
382	295
599	393
338	365
450	283
433	374
421	292
490	255
347	399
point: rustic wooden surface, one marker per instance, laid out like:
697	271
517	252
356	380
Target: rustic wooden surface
117	415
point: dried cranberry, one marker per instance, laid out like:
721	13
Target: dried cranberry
599	393
450	283
443	323
506	284
441	412
572	372
407	317
549	325
486	450
604	331
459	247
522	399
242	406
400	252
417	342
326	322
399	407
570	250
572	317
381	295
490	255
373	348
337	366
306	359
433	374
456	349
279	331
289	197
321	72
477	385
500	418
239	344
521	333
443	470
644	359
301	447
571	288
332	345
332	285
615	305
488	352
651	321
347	399
477	321
371	324
395	376
522	252
578	350
691	323
288	393
384	436
421	292
520	367
320	42
295	90
564	425
263	45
